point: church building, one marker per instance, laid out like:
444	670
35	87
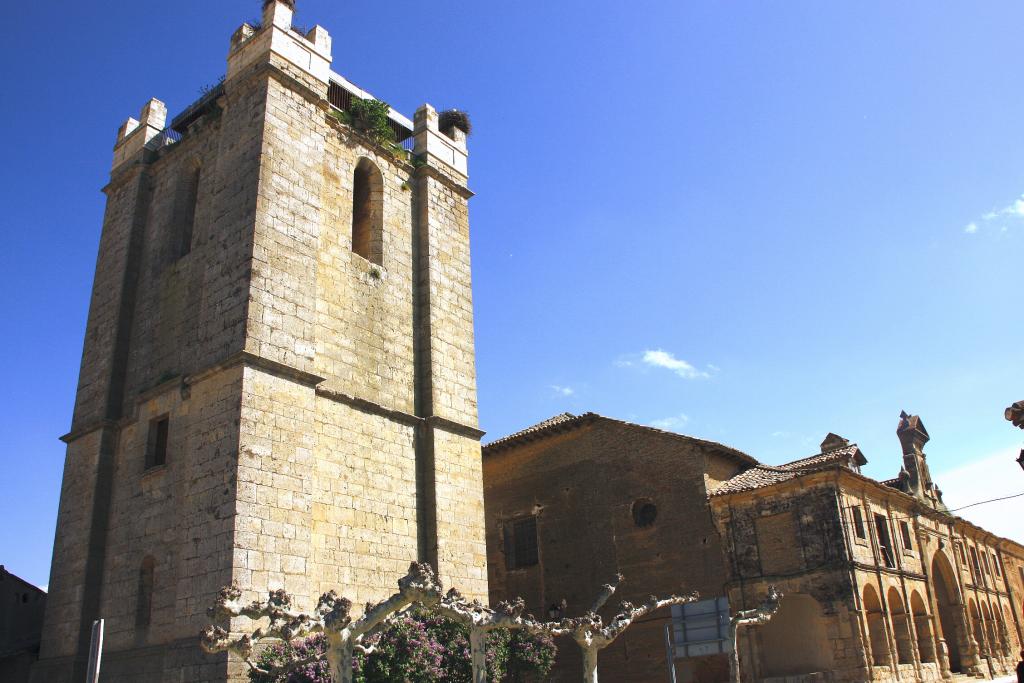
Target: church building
881	581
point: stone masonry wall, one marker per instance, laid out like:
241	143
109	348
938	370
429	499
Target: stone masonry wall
287	367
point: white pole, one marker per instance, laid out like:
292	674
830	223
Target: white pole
95	652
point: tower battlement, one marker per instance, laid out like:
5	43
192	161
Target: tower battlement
278	382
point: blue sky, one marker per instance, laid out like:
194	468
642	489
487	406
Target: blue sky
751	222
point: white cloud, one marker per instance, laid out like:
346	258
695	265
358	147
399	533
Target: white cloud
1014	210
994	476
671	424
664	359
563	391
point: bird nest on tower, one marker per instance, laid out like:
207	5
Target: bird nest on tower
290	3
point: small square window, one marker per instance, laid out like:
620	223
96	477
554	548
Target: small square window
521	543
156	445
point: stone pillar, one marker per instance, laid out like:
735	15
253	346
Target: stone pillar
861	633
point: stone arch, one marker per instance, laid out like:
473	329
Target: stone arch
368	212
923	626
144	593
949	607
901	627
876	627
795	642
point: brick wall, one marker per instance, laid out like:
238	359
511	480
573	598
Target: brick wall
583	486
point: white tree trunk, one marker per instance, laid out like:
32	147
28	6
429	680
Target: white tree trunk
339	658
478	650
734	659
590	664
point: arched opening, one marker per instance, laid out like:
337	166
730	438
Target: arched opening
901	628
977	627
947	601
923	626
795	641
876	627
368	212
144	596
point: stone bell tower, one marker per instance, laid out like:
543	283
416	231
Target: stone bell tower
278	383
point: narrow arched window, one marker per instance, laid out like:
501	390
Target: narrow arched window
368	212
144	598
188	201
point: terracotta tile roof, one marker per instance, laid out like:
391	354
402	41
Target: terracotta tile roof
568	421
756	478
839	455
761	476
541	429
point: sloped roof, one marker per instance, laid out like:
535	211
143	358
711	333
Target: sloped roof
761	476
550	426
839	455
567	421
756	478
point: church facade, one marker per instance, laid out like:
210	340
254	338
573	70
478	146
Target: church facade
880	581
278	384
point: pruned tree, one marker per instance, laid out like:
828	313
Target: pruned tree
481	620
420	586
332	617
758	616
590	632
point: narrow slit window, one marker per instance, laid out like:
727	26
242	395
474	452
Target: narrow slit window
156	446
188	203
885	541
858	523
905	532
144	597
975	565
